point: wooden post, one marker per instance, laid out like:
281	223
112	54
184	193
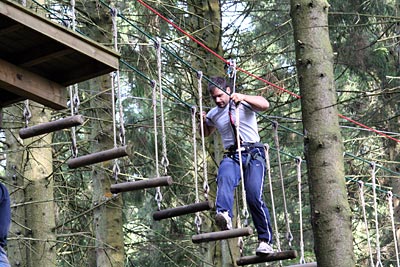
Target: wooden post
178	211
98	157
142	184
51	126
276	256
309	264
213	236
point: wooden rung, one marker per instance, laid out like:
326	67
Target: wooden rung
51	126
276	256
142	184
97	157
309	264
213	236
178	211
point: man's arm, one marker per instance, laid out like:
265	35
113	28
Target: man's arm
258	103
208	130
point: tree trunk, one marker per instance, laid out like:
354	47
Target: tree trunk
16	249
331	215
108	216
30	168
107	221
39	199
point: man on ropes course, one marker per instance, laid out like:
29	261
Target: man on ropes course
5	220
230	106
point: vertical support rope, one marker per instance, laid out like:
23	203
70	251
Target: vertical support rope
378	248
158	196
74	105
271	190
289	236
73	16
245	211
74	94
391	213
114	13
197	219
362	199
115	80
298	165
164	159
206	187
27	113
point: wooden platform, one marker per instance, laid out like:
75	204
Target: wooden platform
39	58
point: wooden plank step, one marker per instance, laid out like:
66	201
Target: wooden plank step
51	126
97	157
276	256
226	234
142	184
178	211
308	264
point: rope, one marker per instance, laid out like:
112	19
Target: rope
197	219
289	236
298	165
74	105
114	15
158	196
206	187
73	18
74	95
232	73
27	114
116	86
164	159
361	189
391	213
245	211
378	248
268	166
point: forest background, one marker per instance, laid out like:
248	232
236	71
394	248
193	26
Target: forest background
64	217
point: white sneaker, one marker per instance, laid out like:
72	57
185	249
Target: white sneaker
223	221
264	248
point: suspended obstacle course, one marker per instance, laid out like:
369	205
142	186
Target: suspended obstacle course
39	58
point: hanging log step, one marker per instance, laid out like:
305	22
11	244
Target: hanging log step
178	211
52	126
97	157
213	236
142	184
309	264
276	256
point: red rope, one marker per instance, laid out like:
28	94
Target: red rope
250	74
368	128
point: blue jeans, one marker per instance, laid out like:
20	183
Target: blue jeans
3	258
254	172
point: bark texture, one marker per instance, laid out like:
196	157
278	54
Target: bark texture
331	215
